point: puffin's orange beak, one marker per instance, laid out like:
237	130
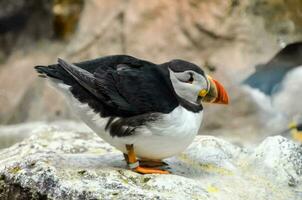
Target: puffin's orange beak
215	94
222	95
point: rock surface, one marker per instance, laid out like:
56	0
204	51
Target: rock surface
58	163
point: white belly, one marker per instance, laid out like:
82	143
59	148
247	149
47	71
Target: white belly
160	139
155	140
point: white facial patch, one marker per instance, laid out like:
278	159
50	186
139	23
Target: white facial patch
188	84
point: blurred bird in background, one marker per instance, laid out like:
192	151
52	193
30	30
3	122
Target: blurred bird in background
276	87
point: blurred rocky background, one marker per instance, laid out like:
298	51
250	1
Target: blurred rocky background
227	38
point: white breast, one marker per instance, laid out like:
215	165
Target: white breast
170	135
165	137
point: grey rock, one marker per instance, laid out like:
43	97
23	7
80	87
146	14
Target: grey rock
11	134
60	163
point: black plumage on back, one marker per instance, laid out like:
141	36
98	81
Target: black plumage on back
117	86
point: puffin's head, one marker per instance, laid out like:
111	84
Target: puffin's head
192	84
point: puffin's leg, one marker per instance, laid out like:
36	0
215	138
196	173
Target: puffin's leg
134	164
147	163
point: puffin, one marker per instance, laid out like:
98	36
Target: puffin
276	85
147	111
295	130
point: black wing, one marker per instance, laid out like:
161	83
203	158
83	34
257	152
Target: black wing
122	87
268	77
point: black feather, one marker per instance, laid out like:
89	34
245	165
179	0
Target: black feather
126	126
132	90
117	86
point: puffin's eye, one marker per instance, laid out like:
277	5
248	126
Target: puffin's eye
191	79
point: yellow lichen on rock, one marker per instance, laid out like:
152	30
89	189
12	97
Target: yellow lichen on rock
212	189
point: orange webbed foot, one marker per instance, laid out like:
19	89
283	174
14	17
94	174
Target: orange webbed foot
147	170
